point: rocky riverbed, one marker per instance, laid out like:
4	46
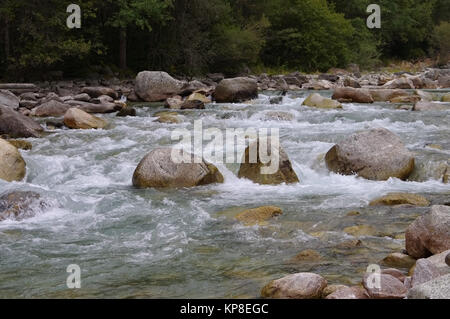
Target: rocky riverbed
365	156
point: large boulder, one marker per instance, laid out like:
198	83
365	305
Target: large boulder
12	165
430	233
19	205
236	90
99	91
254	169
376	154
78	119
8	99
438	288
389	288
155	86
14	124
348	94
296	286
51	108
316	100
159	169
424	271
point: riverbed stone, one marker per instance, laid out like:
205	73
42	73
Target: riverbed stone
126	111
284	173
154	86
349	293
77	119
376	154
399	260
361	230
316	100
236	90
256	216
12	165
97	91
159	169
430	233
446	97
395	199
8	99
394	273
331	289
52	108
296	286
16	125
390	287
352	95
308	255
21	144
438	288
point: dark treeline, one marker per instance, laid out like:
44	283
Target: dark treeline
194	37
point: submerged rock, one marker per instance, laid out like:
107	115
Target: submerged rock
394	199
158	170
376	154
258	215
236	90
126	111
296	286
284	173
12	165
19	205
361	230
430	233
316	100
308	255
78	119
22	145
399	260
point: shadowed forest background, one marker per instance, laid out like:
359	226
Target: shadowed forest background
192	37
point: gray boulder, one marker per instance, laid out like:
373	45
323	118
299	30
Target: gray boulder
154	86
51	108
8	99
15	125
438	288
236	90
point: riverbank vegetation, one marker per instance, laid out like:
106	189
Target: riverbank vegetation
191	37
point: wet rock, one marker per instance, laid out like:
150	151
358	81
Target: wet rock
394	273
279	116
159	169
8	99
193	105
430	106
98	91
349	293
258	215
316	100
12	165
399	260
168	118
20	144
78	119
376	154
16	125
331	289
126	111
446	97
400	83
438	288
361	230
154	86
406	99
20	205
395	199
390	287
254	169
199	97
296	286
353	213
276	100
384	95
51	108
430	233
236	90
352	95
174	102
424	271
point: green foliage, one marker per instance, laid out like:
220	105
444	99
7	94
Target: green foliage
442	41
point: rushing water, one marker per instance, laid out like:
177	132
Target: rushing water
133	243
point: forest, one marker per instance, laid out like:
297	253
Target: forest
192	37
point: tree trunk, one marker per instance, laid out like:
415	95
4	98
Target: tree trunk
123	49
7	43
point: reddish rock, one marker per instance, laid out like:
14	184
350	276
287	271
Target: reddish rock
390	287
296	286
